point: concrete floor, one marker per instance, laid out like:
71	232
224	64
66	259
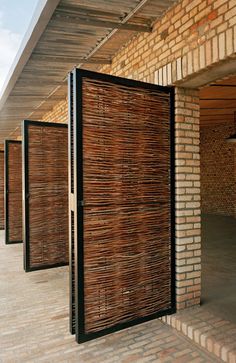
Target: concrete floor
34	324
219	265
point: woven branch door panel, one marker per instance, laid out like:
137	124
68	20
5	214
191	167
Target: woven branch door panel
13	191
45	191
123	203
1	189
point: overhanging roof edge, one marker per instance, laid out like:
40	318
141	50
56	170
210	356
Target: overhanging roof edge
41	17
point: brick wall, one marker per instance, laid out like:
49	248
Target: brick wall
192	36
188	212
217	170
58	114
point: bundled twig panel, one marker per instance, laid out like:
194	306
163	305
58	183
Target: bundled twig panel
45	158
13	191
123	136
1	189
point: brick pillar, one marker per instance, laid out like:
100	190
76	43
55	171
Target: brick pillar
188	217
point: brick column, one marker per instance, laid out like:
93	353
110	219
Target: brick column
188	217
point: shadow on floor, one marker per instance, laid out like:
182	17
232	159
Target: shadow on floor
219	265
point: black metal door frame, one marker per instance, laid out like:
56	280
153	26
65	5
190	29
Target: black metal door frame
6	190
25	193
71	201
77	119
2	151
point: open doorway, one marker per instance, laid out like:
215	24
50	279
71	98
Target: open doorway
218	197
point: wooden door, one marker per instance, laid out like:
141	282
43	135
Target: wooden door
122	205
45	191
1	189
13	191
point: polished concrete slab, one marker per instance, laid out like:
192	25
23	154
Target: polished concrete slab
219	265
34	324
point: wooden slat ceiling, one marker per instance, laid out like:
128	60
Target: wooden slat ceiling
218	102
73	37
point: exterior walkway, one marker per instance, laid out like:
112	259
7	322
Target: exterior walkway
34	324
219	266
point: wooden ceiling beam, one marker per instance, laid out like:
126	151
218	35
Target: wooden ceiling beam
217	108
217	99
101	23
75	9
222	85
62	59
223	115
210	123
